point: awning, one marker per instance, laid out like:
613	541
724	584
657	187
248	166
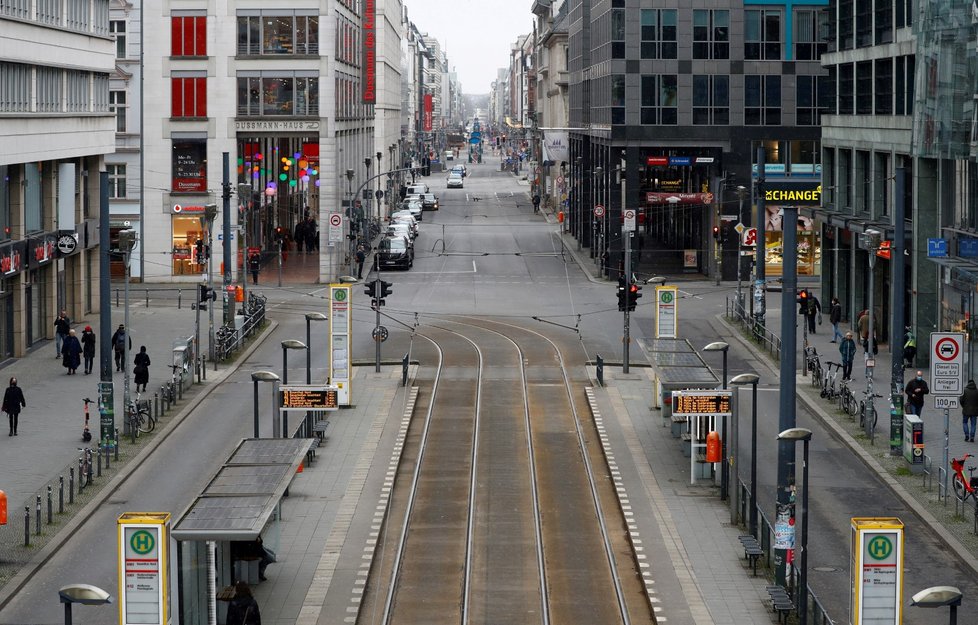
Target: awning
966	267
242	496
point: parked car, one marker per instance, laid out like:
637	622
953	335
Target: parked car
417	188
429	202
449	155
406	218
414	207
399	228
455	181
395	251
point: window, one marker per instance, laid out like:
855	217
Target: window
188	35
762	34
118	30
274	93
811	34
49	11
78	91
845	25
189	95
15	88
884	22
711	100
762	100
49	89
903	85
189	166
864	88
884	86
805	157
845	89
711	34
864	23
658	34
618	33
16	8
278	32
618	99
828	91
904	13
659	100
117	181
79	13
347	41
117	104
807	111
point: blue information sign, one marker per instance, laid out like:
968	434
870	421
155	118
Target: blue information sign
968	248
936	247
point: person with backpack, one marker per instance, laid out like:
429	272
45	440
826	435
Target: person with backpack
141	370
119	345
909	348
88	348
814	311
243	609
13	401
61	326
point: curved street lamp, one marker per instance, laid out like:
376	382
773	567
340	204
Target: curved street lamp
82	594
804	435
263	376
720	346
938	597
752	379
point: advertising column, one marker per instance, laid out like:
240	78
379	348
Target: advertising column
339	340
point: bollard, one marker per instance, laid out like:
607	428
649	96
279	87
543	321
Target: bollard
71	485
98	452
61	494
404	369
166	400
203	366
89	461
27	526
180	388
37	515
108	448
599	369
117	298
179	297
116	444
147	299
156	406
50	503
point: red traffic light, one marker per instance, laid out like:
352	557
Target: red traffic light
716	232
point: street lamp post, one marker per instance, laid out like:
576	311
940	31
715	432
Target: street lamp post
310	317
741	192
262	376
804	435
938	597
737	380
720	346
82	594
207	221
350	213
127	241
288	344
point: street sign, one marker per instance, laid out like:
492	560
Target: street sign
220	236
599	210
308	397
666	304
379	333
946	402
936	247
629	224
749	237
143	558
947	363
740	228
877	570
560	180
335	227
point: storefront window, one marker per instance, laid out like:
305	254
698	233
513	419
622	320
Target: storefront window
187	231
281	94
809	252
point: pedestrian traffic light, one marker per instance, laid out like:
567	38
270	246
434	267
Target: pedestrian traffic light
385	289
204	293
716	232
371	289
622	295
803	296
634	292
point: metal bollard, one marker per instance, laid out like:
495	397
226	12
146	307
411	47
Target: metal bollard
98	452
179	297
180	388
89	469
27	526
166	399
117	298
599	369
71	485
405	362
50	503
203	365
108	448
147	298
116	444
61	494
37	515
156	406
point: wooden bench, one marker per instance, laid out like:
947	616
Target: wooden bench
780	602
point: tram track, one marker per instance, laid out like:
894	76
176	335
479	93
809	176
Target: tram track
502	510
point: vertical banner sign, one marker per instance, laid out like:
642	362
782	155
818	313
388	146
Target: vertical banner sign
144	586
106	412
666	301
369	51
340	325
426	121
876	571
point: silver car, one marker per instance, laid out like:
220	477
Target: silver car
400	229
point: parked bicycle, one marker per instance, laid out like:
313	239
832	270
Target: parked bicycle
85	467
868	417
965	488
847	399
828	381
141	420
813	366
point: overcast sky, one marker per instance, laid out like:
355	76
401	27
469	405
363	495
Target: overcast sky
476	34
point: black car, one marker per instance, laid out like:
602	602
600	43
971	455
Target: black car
394	252
429	202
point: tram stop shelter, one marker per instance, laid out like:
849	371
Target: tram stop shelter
240	505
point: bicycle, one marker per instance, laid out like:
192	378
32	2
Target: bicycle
85	467
847	399
865	406
828	382
813	366
964	488
140	418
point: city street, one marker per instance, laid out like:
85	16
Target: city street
486	253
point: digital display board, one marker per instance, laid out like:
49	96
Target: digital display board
693	403
308	398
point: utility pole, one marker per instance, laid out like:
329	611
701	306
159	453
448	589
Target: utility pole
741	191
784	517
210	214
899	314
226	226
245	196
106	393
761	249
127	241
626	232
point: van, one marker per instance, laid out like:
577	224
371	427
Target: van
417	189
449	155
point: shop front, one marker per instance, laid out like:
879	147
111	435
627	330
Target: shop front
777	195
41	251
13	256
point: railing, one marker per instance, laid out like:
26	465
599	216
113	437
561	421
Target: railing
230	339
771	343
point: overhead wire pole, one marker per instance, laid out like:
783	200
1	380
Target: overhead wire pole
627	235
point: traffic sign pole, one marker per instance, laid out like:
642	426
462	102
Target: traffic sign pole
946	377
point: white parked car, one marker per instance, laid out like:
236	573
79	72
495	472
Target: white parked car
400	229
455	181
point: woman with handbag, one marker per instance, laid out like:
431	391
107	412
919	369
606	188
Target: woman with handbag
243	609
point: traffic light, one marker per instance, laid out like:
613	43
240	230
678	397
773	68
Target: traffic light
634	292
371	289
803	296
622	295
716	232
385	290
204	293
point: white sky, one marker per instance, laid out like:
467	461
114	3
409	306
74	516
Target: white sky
475	34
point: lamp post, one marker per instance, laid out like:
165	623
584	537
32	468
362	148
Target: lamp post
378	155
288	344
938	597
741	192
350	213
127	241
310	317
245	196
597	244
207	221
720	346
804	435
83	594
262	376
366	211
738	380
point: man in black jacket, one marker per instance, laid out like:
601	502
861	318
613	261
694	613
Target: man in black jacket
835	317
969	410
915	390
62	325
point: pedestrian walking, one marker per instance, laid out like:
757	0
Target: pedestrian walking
312	235
835	317
915	390
71	351
140	371
536	202
969	410
909	348
847	352
300	236
862	323
814	311
61	326
254	264
243	609
361	257
13	401
88	348
119	345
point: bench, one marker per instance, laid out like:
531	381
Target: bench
780	602
752	551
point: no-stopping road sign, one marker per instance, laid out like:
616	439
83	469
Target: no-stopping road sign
946	363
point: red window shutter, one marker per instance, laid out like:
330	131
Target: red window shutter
188	97
176	36
200	87
188	36
176	97
200	29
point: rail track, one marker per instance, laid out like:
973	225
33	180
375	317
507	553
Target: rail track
503	510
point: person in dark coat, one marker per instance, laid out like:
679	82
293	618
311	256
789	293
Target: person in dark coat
361	257
243	609
88	348
119	346
300	236
969	410
254	265
13	401
814	311
312	235
915	390
141	370
61	326
71	351
847	351
835	317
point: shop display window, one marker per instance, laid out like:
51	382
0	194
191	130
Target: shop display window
186	233
809	245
